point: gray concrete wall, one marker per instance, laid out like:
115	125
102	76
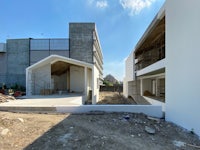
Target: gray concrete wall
81	41
3	68
17	61
38	55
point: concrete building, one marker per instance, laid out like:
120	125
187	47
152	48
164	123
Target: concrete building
163	66
74	64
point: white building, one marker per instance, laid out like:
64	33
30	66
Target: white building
163	67
73	65
55	65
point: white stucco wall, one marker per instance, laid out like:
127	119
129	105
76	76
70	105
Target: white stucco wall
76	79
129	73
155	66
130	67
125	87
182	63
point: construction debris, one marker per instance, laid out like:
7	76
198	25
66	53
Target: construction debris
150	130
5	98
154	119
183	144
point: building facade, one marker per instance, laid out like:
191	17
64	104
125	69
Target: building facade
82	47
162	68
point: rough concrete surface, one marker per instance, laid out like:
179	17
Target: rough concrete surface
47	100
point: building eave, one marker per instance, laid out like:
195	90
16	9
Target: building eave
54	58
151	27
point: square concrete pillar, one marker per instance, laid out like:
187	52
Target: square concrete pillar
85	85
141	87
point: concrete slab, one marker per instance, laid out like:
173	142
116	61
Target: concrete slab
73	104
45	101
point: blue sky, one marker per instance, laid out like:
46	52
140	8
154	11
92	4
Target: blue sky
120	23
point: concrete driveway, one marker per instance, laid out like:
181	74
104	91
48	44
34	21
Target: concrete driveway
46	101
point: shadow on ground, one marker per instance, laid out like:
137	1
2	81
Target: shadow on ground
119	131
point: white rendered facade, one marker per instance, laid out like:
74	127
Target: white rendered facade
179	66
81	78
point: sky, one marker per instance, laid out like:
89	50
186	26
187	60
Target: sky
120	23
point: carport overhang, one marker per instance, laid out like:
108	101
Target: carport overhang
56	58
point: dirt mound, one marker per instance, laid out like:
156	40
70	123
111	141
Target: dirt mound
114	98
5	98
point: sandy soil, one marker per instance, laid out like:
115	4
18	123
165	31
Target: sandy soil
95	131
114	98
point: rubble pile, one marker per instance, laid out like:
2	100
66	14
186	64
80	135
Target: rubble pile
5	98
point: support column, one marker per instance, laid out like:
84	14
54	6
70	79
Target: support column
141	87
157	87
93	87
85	86
28	83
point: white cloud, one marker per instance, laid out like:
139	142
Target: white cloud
102	4
135	6
98	3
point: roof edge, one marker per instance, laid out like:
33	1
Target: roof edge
62	58
155	21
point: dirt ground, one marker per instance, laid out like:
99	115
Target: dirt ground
114	98
95	131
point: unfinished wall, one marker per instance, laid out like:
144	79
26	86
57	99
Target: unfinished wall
133	88
41	79
81	41
182	63
76	79
59	82
3	68
36	56
17	61
147	85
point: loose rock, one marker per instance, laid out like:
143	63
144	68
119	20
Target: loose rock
154	119
21	120
150	130
5	132
178	143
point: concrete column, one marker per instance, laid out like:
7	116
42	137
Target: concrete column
93	87
157	87
141	87
68	80
85	85
28	83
